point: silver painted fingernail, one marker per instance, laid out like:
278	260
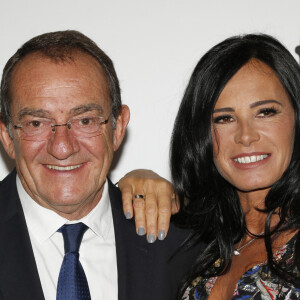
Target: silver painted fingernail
141	231
161	235
128	215
151	238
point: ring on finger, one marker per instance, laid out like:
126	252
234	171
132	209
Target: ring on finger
139	196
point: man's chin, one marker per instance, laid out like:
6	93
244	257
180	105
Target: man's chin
65	207
60	201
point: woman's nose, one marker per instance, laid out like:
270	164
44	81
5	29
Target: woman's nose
246	133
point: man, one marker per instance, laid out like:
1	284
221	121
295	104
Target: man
61	120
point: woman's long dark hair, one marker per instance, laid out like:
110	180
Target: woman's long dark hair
210	205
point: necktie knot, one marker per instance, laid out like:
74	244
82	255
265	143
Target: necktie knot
73	234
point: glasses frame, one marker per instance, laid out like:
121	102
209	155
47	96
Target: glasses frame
67	124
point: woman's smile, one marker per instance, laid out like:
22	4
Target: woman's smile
250	160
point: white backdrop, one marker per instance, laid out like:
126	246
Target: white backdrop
155	45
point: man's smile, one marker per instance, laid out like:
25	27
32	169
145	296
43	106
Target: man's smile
63	168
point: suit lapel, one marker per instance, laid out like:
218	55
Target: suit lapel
134	258
19	277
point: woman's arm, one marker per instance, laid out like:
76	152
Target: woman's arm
153	211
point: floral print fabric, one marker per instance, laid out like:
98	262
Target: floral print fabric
256	283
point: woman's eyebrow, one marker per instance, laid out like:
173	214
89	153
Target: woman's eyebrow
224	109
252	105
262	102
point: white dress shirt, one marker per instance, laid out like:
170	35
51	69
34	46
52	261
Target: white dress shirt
97	250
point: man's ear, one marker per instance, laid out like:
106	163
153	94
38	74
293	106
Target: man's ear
121	124
6	140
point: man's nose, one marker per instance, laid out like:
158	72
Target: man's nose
62	144
246	133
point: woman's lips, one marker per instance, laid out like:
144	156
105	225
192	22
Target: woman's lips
250	160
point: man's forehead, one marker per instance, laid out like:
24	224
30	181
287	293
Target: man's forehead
82	76
62	60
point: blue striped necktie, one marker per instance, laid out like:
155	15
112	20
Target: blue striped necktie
72	282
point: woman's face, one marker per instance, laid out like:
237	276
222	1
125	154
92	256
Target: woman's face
253	128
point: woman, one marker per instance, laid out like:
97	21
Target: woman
235	161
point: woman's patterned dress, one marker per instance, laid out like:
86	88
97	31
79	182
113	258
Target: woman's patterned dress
256	283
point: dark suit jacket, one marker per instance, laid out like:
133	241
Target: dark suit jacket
144	270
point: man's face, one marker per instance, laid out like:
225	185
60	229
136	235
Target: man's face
64	173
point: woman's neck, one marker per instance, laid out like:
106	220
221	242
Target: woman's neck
250	203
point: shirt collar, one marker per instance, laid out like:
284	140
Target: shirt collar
43	222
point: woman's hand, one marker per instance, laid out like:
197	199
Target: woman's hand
153	211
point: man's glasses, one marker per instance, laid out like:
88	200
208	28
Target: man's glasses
40	129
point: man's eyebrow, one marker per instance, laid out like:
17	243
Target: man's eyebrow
86	107
262	102
224	109
41	113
